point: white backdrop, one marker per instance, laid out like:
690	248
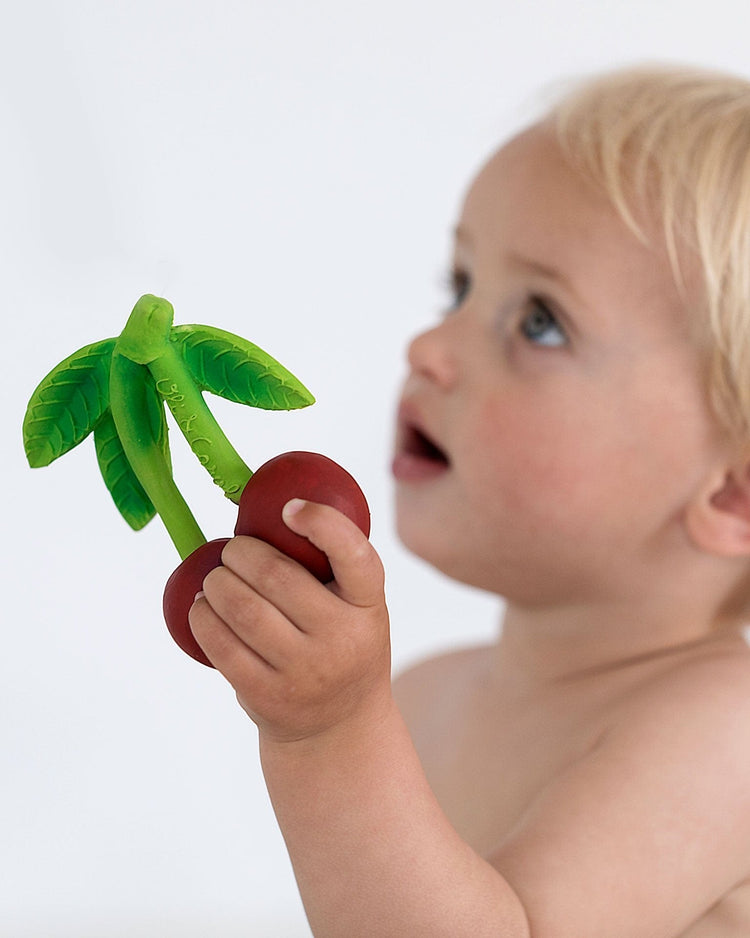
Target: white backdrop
288	170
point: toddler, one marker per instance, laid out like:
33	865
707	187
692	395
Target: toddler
574	436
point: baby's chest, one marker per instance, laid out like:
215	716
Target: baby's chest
486	770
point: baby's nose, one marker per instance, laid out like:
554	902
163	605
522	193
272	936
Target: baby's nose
432	355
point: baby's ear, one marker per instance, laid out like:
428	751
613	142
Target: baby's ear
718	517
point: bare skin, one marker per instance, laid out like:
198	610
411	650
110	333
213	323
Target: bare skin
588	775
508	748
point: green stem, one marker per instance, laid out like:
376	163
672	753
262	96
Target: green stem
145	340
199	426
145	454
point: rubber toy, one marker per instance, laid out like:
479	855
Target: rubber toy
117	389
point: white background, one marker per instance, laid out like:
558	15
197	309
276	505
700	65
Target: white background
289	171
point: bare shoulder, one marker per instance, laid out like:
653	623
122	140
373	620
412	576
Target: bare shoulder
705	685
694	717
422	685
659	806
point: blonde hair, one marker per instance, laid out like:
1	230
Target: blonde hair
677	141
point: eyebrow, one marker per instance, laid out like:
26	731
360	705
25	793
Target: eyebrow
548	271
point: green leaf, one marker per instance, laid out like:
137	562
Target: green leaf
123	483
230	366
127	492
67	404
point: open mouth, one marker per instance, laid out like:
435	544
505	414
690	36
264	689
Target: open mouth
417	456
416	444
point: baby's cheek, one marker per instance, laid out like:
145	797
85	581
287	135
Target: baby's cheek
530	454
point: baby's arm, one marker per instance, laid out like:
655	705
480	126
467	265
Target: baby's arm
372	851
637	838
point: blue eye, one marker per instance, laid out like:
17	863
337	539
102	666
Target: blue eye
540	326
459	286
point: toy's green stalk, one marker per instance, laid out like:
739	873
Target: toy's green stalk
198	425
145	340
146	456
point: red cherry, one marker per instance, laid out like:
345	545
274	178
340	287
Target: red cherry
180	591
299	475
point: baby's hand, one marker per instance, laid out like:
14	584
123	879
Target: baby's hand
303	657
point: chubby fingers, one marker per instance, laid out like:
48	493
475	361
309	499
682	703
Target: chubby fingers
258	600
358	572
231	614
264	601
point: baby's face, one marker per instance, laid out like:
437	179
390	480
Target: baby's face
555	422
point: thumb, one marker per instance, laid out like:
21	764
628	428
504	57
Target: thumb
357	570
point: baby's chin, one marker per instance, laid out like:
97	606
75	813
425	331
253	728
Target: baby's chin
443	553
